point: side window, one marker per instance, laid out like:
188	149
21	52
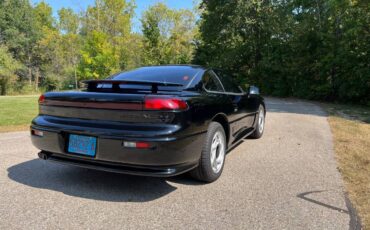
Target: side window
227	82
211	82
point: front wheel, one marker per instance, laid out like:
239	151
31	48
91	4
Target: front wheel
212	159
260	126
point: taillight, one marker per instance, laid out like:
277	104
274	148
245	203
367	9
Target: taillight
37	133
41	99
137	145
158	103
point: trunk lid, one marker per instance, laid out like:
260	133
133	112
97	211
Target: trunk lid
117	100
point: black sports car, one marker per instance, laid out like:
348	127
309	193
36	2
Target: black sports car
156	121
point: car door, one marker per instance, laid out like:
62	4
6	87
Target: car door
216	99
229	105
243	114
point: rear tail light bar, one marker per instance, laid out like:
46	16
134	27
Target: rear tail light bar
150	103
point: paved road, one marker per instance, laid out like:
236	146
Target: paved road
286	180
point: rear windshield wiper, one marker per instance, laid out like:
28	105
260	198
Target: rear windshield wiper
92	85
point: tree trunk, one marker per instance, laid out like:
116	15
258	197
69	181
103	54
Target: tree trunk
30	75
76	83
29	70
3	86
37	77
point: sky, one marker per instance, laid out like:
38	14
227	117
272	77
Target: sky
142	5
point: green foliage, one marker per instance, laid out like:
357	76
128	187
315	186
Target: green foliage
131	52
106	29
43	15
309	49
8	67
51	82
20	33
111	17
68	21
59	52
168	35
98	57
23	88
18	27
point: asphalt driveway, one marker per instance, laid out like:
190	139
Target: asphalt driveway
286	180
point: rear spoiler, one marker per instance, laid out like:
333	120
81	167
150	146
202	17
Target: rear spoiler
92	85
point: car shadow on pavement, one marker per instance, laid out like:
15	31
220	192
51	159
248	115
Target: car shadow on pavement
89	184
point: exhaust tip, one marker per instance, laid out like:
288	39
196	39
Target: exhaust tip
43	155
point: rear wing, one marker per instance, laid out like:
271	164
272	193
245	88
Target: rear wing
92	85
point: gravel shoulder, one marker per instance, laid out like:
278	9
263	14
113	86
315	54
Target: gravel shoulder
288	179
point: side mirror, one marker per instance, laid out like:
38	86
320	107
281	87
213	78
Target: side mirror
254	90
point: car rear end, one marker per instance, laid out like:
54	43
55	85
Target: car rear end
134	131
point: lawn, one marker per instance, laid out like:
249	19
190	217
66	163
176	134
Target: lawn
350	126
16	112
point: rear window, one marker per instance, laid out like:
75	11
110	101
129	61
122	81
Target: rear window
171	74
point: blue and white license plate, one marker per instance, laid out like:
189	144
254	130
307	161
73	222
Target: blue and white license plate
83	145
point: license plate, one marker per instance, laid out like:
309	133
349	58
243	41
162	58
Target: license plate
83	145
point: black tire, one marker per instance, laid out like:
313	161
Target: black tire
204	171
258	132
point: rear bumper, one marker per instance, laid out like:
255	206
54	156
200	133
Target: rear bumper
139	170
169	155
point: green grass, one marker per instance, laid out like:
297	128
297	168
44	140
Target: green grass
17	112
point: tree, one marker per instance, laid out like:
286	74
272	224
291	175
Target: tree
112	17
69	24
59	48
310	49
8	68
168	35
98	59
69	21
43	15
132	52
106	27
46	24
233	34
20	32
